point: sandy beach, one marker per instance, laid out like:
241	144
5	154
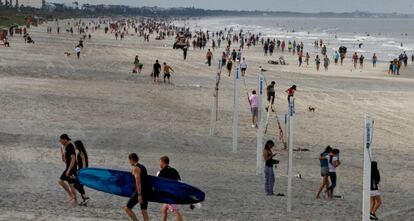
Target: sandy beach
97	99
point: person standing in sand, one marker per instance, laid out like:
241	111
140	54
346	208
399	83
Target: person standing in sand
324	171
229	65
172	174
271	94
156	70
82	162
243	66
136	64
269	172
355	59
69	157
167	74
376	200
361	61
307	57
139	196
317	62
254	103
209	56
326	62
78	51
374	60
333	163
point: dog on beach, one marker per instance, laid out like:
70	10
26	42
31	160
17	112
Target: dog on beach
311	109
67	54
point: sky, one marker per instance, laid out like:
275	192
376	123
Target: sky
388	6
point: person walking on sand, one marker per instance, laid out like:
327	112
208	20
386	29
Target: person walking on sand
172	174
361	61
291	92
333	163
269	163
185	50
69	174
136	64
167	74
355	59
307	57
78	51
229	65
156	70
326	62
374	60
300	58
209	56
376	200
82	162
243	66
336	57
317	62
324	171
254	104
140	195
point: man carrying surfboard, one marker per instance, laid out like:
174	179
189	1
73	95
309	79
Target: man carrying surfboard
139	196
69	157
172	174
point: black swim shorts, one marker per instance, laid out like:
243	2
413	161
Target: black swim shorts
134	201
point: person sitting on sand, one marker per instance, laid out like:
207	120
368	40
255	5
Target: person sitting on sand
324	171
140	195
167	74
376	200
172	174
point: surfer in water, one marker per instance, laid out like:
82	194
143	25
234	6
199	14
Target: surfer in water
172	174
140	174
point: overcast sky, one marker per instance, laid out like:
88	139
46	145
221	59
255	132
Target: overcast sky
400	6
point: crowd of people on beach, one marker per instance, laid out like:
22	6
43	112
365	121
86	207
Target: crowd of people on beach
75	157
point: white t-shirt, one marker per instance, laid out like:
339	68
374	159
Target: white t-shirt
243	64
77	49
330	165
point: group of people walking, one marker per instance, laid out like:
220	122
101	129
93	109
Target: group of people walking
75	157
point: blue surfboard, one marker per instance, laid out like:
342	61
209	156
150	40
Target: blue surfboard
121	183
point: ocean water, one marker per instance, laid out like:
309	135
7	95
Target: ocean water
377	35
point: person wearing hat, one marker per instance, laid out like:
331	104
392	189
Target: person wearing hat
69	157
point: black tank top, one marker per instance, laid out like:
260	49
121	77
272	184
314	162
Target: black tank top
270	162
144	177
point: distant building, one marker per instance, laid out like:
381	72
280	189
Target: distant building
25	3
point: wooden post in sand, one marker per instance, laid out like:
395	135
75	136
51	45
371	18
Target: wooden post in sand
236	105
366	201
260	129
214	109
291	115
